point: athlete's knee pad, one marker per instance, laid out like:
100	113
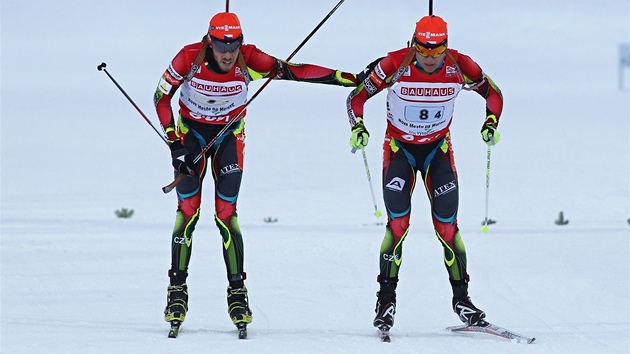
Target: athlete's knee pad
189	195
398	226
224	209
189	207
445	230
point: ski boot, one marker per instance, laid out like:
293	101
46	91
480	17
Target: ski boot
238	304
238	307
385	304
463	306
176	303
176	307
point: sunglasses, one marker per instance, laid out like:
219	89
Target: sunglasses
224	46
430	52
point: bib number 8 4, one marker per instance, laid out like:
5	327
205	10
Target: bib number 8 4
425	114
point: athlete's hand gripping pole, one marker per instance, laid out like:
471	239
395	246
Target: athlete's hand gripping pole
170	186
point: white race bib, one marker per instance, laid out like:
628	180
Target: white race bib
421	108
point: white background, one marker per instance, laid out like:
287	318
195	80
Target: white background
75	279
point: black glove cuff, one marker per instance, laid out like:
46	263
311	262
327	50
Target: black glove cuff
177	149
176	145
490	127
361	126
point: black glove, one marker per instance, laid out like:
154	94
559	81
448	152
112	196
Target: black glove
182	161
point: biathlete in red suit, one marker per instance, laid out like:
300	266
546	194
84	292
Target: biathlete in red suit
422	83
213	76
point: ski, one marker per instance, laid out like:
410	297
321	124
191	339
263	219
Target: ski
174	331
385	336
489	328
383	332
242	330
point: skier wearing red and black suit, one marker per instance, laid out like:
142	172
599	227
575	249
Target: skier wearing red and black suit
211	95
422	83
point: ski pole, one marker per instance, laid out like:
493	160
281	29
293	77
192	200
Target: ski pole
484	226
102	68
170	186
377	212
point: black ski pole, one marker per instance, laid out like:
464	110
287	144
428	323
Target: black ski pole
102	68
181	176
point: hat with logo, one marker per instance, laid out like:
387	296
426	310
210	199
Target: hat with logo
431	32
225	26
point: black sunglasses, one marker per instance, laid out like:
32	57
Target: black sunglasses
223	46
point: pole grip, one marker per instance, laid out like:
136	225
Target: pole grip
171	186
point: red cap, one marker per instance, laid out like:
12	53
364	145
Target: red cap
431	31
225	26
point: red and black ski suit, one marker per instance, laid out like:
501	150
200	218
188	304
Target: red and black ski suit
209	99
417	140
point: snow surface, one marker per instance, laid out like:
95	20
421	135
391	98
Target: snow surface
76	279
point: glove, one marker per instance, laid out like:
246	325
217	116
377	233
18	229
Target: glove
360	135
182	161
489	132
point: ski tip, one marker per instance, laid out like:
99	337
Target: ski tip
242	330
174	331
384	336
492	329
524	340
383	333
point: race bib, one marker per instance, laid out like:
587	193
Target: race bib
424	114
